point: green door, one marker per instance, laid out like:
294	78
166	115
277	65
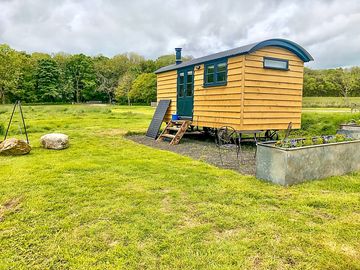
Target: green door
185	93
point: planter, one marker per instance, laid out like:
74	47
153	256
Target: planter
350	130
288	166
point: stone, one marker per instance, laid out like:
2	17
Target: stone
56	141
14	147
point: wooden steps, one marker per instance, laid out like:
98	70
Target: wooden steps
179	127
173	128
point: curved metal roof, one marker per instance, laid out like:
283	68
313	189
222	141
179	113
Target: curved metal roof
283	43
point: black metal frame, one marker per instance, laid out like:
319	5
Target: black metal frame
227	137
17	103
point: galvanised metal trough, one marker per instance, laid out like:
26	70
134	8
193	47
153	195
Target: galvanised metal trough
350	130
288	166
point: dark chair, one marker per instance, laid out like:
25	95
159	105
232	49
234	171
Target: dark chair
227	139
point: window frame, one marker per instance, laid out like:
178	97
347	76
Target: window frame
189	83
181	84
276	59
215	64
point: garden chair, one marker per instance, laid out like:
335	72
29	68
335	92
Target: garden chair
227	139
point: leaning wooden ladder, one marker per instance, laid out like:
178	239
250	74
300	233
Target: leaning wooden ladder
180	126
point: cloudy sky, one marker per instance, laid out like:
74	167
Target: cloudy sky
329	30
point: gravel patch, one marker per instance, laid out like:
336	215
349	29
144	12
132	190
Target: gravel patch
205	149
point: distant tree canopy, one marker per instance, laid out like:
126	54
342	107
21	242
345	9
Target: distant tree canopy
40	77
126	78
332	82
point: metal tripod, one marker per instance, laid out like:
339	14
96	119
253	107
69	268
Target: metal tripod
17	103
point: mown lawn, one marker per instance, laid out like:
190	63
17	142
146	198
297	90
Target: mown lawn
329	102
109	203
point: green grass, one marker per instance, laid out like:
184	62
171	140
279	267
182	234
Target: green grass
324	122
109	203
328	102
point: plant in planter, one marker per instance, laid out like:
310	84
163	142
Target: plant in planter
301	142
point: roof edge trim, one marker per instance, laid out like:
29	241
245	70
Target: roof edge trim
286	44
276	42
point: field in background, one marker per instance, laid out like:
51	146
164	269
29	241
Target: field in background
328	102
109	203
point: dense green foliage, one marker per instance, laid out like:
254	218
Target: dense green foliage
39	77
110	203
332	82
144	88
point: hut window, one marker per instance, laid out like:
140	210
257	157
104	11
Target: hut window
215	73
276	63
210	72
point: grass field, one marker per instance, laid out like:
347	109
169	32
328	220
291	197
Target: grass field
109	203
329	102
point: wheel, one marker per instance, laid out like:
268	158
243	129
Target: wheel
271	135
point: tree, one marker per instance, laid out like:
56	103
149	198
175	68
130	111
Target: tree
10	71
65	82
169	59
80	71
26	85
143	88
48	80
356	73
345	82
107	75
122	92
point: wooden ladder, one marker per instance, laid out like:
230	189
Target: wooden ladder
180	126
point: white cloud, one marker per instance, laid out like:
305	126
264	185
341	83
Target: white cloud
329	30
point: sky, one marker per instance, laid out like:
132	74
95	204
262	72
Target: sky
329	30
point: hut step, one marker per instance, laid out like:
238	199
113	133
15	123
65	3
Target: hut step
171	136
179	126
173	128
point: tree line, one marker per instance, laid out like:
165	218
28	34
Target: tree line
125	78
339	82
39	77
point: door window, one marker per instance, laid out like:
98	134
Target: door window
181	84
189	83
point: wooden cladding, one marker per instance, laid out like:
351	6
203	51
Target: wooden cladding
166	89
218	106
272	98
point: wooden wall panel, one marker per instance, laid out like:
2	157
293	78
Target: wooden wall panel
272	98
166	89
221	105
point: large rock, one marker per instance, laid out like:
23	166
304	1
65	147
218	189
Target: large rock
55	141
14	147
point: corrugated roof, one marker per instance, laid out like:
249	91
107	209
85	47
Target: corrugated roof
283	43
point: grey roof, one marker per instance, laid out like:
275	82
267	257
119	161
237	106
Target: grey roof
283	43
